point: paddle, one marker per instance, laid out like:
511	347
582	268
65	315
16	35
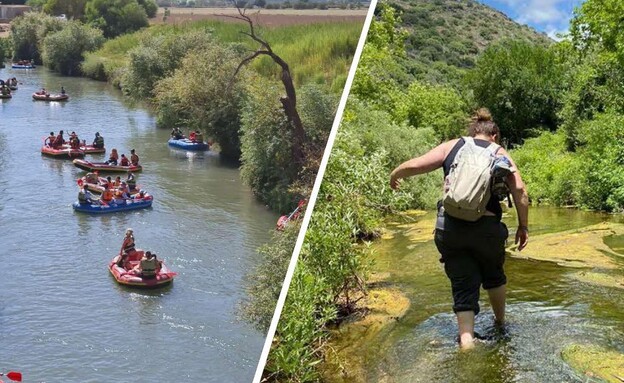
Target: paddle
13	375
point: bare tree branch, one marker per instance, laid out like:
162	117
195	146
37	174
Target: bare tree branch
289	101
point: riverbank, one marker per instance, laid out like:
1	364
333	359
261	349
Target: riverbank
376	311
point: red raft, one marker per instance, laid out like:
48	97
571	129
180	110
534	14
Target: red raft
62	152
125	275
104	167
49	97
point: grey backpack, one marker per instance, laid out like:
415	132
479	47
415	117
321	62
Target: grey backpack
467	186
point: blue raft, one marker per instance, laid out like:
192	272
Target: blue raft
22	66
187	144
113	207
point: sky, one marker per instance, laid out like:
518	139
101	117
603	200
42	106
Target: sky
549	16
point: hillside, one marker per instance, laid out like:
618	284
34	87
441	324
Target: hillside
443	33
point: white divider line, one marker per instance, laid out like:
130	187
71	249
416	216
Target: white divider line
317	184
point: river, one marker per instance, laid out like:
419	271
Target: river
548	309
63	318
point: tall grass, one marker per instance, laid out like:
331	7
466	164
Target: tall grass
317	53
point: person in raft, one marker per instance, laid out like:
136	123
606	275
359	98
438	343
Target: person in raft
74	141
49	141
131	182
124	160
63	90
176	133
148	267
112	159
127	248
134	159
107	195
58	140
98	141
472	241
85	197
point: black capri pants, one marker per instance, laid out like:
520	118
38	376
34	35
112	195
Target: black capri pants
473	254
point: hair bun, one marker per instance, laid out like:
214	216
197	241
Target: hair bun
483	114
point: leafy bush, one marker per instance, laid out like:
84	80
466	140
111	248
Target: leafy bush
550	172
72	9
115	17
156	57
266	140
28	32
211	102
63	51
521	84
265	282
437	107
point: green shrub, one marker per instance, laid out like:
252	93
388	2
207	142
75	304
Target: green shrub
116	17
63	51
157	56
210	103
28	32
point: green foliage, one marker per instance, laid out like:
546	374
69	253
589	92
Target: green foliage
437	107
602	156
266	139
550	172
210	102
319	53
264	283
28	32
5	50
108	63
446	36
521	84
72	9
156	57
599	22
150	6
116	17
63	50
36	5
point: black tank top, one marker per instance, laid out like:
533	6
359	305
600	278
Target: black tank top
493	205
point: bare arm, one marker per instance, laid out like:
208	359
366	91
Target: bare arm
426	163
521	199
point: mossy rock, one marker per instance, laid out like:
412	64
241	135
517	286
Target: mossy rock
596	362
579	248
344	361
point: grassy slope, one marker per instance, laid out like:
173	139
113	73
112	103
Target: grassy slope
318	53
454	32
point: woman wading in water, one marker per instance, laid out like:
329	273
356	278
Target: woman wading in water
471	239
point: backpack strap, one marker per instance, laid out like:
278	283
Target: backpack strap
493	148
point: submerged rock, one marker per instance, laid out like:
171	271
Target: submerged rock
580	248
594	361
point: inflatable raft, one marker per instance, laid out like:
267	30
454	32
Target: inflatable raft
124	275
50	97
22	66
104	167
62	152
115	205
89	149
99	186
185	143
6	96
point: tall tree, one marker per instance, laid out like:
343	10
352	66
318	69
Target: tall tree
289	100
